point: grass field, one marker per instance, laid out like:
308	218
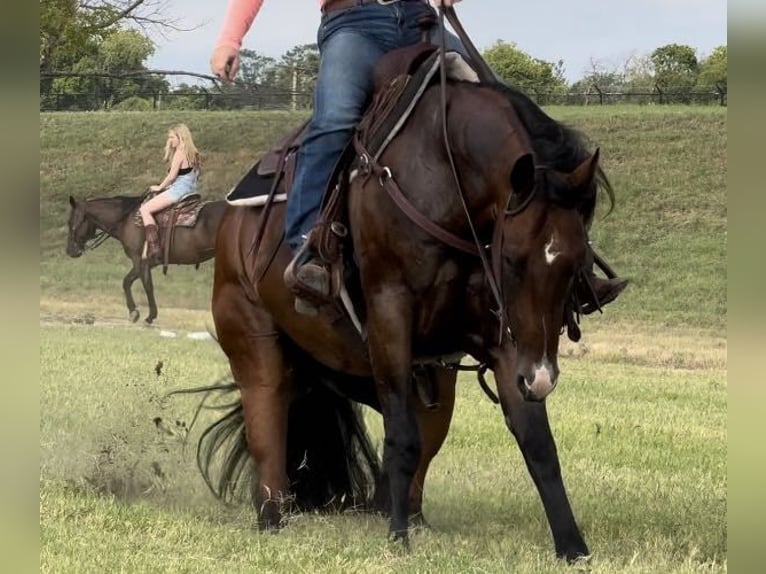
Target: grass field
640	415
642	441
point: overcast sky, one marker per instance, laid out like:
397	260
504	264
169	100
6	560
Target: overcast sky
609	31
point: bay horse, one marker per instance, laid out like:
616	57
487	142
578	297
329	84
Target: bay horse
92	221
521	183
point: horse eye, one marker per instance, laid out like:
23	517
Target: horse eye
514	202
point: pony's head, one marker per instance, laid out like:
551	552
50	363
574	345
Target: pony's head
81	228
544	248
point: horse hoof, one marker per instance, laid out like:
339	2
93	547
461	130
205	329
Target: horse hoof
399	539
149	320
134	315
419	521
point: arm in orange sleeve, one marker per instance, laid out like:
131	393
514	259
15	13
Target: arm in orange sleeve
239	17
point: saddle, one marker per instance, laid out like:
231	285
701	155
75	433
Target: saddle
182	214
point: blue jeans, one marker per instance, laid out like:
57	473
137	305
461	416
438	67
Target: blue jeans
350	42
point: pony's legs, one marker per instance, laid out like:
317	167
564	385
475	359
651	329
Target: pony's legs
528	421
146	281
246	334
127	287
433	426
389	324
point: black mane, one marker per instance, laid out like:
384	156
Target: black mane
557	145
123	204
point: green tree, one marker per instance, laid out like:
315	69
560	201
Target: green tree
70	29
256	70
713	69
297	72
600	78
675	70
639	76
186	97
91	36
99	79
519	69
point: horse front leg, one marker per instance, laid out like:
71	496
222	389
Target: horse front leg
127	287
389	328
433	425
528	422
148	283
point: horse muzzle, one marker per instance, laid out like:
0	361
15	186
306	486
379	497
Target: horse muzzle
74	250
538	381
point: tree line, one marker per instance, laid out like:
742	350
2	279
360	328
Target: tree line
94	53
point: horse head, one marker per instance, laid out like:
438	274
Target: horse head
531	183
81	228
543	248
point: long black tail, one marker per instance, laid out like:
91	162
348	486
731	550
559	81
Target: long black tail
331	461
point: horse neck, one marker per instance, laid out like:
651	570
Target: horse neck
108	214
486	137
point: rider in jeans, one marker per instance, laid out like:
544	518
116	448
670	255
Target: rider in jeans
352	37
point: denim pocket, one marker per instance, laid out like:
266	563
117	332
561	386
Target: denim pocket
328	23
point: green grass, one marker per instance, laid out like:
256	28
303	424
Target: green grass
667	232
643	451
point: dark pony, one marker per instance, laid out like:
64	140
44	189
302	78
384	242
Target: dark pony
92	221
513	179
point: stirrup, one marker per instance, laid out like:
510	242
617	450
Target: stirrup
308	280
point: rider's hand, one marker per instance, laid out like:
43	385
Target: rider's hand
225	62
437	3
155	188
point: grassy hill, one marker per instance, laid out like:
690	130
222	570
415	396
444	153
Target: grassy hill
667	231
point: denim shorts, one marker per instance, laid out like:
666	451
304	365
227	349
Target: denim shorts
183	185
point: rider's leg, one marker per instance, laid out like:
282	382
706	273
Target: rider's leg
344	85
155	204
350	44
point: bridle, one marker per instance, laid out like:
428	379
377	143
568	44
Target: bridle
103	232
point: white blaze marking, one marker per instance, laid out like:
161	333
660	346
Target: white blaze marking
550	252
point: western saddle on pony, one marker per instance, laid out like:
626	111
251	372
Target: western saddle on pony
160	240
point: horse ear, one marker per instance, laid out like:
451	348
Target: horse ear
523	175
72	201
583	175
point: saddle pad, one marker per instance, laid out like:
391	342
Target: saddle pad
253	189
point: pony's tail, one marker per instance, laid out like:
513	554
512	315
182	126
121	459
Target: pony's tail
331	461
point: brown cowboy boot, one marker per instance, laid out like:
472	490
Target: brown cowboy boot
594	292
309	280
153	250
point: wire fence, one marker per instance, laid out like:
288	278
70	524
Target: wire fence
249	99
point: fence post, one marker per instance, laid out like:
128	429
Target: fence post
600	94
721	94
